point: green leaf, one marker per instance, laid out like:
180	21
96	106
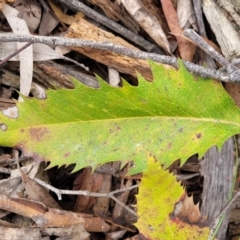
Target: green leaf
156	220
173	117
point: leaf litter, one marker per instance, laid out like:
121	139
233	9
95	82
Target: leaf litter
100	206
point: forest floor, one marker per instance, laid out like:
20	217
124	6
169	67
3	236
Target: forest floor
146	29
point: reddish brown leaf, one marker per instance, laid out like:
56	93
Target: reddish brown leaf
186	47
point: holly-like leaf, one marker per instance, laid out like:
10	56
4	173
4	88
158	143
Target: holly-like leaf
167	212
175	116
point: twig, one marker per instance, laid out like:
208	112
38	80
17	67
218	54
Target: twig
59	193
78	6
191	34
181	177
15	53
60	41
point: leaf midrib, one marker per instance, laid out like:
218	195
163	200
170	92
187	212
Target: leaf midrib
191	119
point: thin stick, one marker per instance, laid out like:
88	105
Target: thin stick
191	34
59	193
60	41
15	53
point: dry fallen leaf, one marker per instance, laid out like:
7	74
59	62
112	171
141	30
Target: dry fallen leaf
30	11
186	47
87	181
19	26
41	52
48	22
186	211
147	21
37	192
186	15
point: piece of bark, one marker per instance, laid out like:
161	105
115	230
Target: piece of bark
43	72
227	37
229	7
6	103
47	74
81	75
84	30
217	169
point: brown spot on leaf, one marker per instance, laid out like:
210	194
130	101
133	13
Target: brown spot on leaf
199	135
38	133
195	78
169	146
117	127
67	154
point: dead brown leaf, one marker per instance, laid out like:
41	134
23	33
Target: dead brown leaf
186	48
50	217
186	211
37	192
87	181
